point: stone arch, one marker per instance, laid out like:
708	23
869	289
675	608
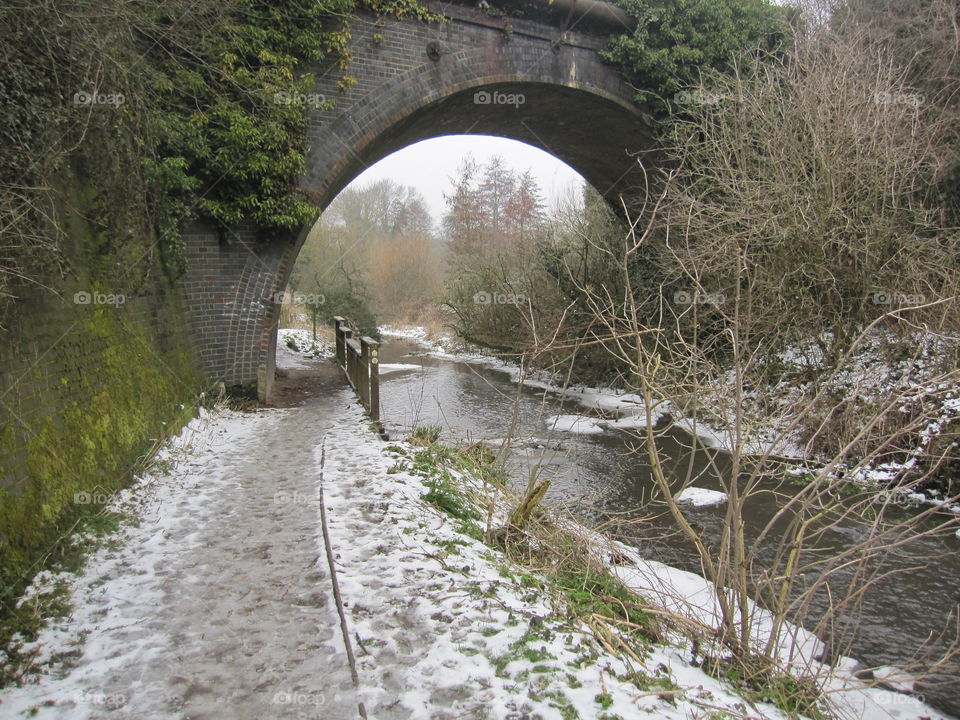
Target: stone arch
418	81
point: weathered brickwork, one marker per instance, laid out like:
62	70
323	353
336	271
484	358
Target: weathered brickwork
90	378
415	81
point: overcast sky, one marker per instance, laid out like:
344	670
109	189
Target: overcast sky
429	166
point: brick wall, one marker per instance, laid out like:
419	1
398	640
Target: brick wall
414	81
87	384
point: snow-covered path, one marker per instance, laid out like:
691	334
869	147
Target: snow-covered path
219	604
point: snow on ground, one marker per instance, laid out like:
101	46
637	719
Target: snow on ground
210	603
301	341
217	602
412	332
700	497
469	637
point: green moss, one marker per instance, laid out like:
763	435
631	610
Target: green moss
76	459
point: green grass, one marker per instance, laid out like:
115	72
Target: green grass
604	700
758	680
24	626
425	435
590	592
443	494
451	547
34	613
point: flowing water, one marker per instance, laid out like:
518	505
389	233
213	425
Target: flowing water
601	475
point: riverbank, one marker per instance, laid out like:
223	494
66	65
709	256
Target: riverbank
873	376
677	614
213	599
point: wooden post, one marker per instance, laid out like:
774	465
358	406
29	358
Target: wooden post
375	381
364	389
348	355
341	347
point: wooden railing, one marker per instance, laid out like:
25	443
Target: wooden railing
360	360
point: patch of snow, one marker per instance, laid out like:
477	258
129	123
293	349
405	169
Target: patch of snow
575	424
704	433
398	367
895	678
701	497
412	332
302	341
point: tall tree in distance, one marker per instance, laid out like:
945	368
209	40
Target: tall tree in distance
495	191
463	223
524	209
491	207
495	219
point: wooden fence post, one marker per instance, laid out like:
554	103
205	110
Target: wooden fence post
375	382
341	348
348	356
363	384
371	376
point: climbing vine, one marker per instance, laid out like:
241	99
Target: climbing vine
161	112
676	40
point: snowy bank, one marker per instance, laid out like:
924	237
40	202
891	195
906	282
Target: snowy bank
302	341
443	624
687	595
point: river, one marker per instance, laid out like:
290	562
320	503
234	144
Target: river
600	476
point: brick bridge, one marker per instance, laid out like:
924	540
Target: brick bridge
416	81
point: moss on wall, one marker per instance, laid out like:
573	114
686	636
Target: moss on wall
114	399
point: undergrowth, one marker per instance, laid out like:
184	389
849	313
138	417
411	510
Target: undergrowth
546	557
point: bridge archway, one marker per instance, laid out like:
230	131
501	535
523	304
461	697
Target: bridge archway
517	79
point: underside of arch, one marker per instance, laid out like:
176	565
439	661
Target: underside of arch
594	134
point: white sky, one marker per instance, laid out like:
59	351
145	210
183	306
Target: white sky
430	165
